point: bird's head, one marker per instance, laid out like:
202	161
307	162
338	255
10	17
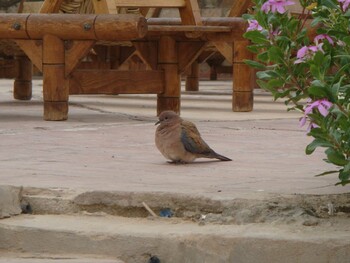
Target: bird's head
167	117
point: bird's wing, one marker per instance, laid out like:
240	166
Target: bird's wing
191	139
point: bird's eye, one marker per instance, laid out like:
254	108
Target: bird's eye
165	118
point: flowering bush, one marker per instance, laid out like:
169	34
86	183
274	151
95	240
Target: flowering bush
308	65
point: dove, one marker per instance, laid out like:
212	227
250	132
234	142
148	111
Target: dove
180	141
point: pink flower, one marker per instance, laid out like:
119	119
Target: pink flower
344	4
254	25
311	125
276	5
322	37
306	52
323	107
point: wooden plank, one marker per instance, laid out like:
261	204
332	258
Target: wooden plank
239	7
188	53
33	49
225	49
150	3
75	53
51	6
116	82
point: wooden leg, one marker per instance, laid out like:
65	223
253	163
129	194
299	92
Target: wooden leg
22	89
213	73
168	61
242	96
55	84
192	80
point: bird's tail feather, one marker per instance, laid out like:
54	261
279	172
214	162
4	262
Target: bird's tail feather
221	157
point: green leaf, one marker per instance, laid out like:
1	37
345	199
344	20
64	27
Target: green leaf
326	173
315	71
263	56
256	37
336	157
344	177
317	91
268	74
343	182
328	3
275	54
318	133
316	143
254	64
318	59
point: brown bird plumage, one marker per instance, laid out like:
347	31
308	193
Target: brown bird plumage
180	141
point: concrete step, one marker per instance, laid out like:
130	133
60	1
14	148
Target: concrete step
34	258
173	239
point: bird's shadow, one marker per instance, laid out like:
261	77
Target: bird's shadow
193	163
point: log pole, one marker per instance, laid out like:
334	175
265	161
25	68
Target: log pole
22	89
192	79
72	26
55	84
242	96
168	61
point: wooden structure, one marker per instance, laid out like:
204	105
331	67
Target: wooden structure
234	53
56	43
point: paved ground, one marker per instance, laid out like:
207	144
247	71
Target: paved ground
107	144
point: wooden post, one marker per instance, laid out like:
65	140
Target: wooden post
168	61
213	73
192	79
55	85
22	89
242	96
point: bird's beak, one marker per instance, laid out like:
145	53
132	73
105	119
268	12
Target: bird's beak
157	123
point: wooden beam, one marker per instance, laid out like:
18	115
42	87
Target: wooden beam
73	27
116	82
150	3
190	13
188	53
33	49
187	28
147	51
75	52
225	49
126	53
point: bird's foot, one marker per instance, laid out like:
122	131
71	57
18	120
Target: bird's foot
177	162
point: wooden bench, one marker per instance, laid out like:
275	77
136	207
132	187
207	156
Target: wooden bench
57	43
